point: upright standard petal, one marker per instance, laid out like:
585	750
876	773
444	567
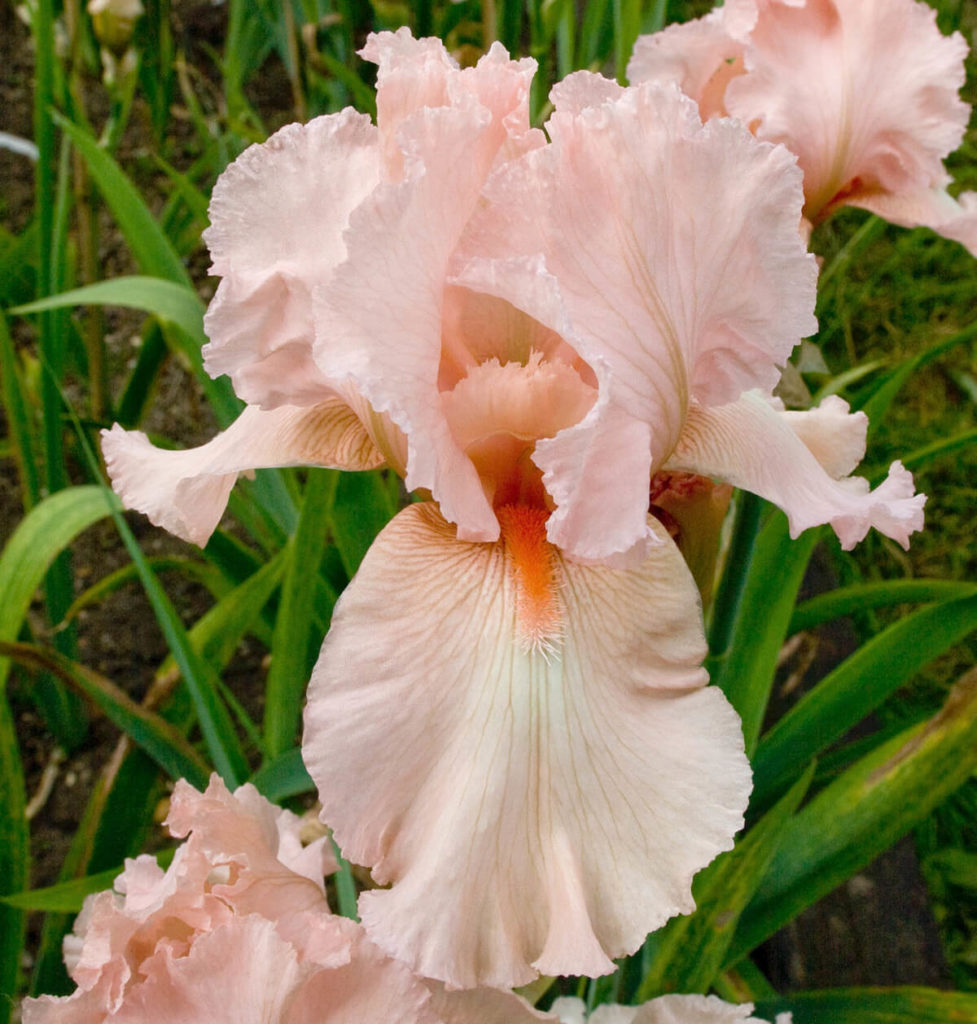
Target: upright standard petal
380	322
523	746
186	492
278	214
751	444
677	255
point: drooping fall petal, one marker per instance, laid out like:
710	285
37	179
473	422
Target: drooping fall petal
523	746
751	444
186	491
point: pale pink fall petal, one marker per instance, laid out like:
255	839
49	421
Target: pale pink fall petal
278	214
833	434
864	93
752	445
679	263
932	208
186	491
540	799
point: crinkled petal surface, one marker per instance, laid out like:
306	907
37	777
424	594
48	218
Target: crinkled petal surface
278	214
186	492
753	445
678	257
538	808
269	872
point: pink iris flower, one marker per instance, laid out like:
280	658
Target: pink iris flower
864	92
509	721
237	930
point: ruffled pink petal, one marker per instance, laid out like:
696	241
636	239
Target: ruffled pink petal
538	807
278	214
381	320
498	411
186	492
272	873
680	268
242	972
379	323
866	95
752	445
701	56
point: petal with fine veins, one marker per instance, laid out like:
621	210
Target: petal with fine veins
863	91
537	810
751	444
186	492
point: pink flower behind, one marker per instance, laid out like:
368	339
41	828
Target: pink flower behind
863	92
237	931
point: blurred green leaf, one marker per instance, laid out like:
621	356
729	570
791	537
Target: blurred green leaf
878	594
150	246
745	669
14	855
856	687
45	531
862	813
290	659
284	776
164	744
171	302
907	1005
360	510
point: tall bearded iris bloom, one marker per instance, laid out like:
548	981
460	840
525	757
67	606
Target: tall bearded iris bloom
509	721
864	92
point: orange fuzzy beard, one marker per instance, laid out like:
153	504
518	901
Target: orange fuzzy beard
534	564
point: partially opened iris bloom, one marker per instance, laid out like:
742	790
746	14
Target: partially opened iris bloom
864	92
509	721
